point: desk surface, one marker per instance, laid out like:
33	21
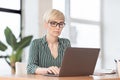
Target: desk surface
40	77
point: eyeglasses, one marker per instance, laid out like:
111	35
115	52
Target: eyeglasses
54	24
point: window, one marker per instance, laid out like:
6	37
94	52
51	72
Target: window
10	15
83	21
85	35
87	9
83	18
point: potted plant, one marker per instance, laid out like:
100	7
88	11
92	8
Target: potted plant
16	46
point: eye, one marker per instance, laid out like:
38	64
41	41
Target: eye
53	23
62	23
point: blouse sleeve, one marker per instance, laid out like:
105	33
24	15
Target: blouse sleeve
33	58
68	43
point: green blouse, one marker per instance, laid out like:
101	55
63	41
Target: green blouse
40	54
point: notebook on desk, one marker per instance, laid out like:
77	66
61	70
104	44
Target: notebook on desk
78	62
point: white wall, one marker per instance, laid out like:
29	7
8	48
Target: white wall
111	32
31	18
33	11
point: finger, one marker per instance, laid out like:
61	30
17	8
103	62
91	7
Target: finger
49	70
55	70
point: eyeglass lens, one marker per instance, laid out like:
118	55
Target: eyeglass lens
55	24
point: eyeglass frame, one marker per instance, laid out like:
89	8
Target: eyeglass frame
55	24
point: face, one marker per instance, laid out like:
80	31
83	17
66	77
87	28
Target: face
54	27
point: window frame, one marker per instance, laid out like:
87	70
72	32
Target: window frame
15	12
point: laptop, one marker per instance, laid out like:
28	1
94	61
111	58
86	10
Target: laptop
78	62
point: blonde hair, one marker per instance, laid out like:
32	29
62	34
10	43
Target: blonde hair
52	15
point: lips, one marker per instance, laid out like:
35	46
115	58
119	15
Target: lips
56	31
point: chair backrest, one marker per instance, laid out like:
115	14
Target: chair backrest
20	68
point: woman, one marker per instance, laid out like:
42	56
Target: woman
47	52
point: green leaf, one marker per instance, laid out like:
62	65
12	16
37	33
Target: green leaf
18	55
10	38
21	45
17	47
24	42
3	47
12	58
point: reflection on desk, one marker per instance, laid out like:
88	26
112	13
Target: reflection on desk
41	77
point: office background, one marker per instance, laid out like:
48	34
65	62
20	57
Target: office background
100	30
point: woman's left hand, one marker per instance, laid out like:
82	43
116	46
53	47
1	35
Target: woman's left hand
53	70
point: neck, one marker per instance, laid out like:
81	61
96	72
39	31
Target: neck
51	39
